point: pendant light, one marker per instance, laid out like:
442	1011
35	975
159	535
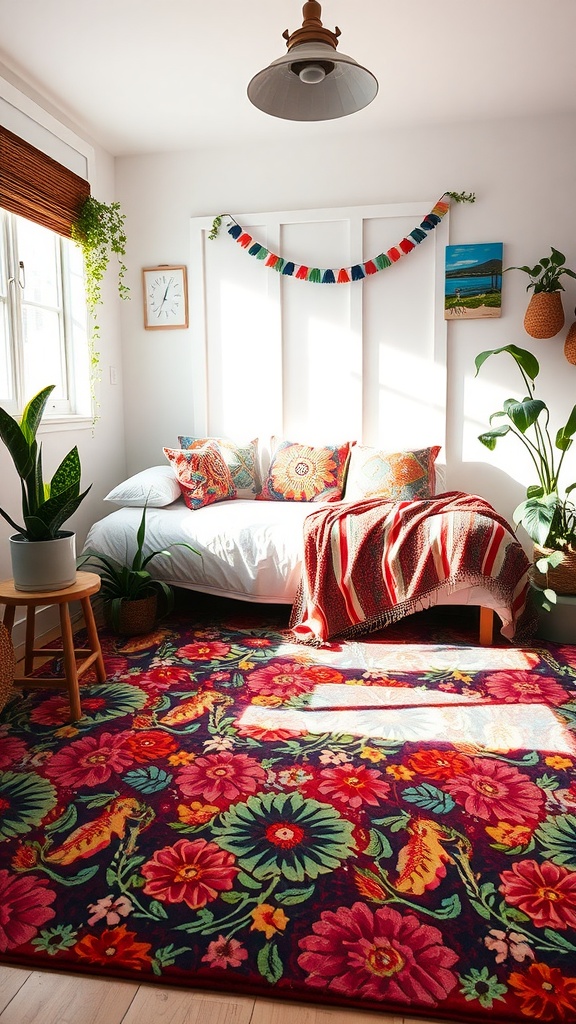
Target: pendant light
312	82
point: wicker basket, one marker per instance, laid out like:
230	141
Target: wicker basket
545	315
136	617
6	665
562	578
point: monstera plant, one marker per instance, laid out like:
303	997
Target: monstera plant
547	514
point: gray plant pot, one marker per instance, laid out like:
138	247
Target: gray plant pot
43	564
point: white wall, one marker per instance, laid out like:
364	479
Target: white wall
523	172
101	448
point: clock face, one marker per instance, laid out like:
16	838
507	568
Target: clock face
165	298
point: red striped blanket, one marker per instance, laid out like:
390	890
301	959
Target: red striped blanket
372	562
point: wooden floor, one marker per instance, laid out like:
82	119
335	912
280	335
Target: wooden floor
45	997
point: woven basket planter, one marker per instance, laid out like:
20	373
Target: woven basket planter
561	579
6	665
136	617
545	315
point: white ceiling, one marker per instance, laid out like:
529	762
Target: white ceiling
147	76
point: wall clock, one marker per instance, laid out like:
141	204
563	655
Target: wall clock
165	297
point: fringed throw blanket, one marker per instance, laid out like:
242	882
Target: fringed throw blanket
372	562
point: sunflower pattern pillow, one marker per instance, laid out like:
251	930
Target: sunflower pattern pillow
202	474
241	459
300	472
395	476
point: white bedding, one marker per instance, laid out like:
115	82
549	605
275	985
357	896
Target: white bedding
250	550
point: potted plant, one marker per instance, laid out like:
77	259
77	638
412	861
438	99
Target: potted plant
548	516
133	599
43	555
545	314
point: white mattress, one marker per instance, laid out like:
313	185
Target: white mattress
250	550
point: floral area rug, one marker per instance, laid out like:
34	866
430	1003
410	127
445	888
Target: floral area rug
388	824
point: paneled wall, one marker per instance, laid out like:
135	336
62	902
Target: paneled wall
320	362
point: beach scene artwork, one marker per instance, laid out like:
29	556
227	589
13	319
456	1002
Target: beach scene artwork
473	281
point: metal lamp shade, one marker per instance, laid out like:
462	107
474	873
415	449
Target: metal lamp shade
278	89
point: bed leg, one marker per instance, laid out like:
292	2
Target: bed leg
486	626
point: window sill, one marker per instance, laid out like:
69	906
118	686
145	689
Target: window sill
51	424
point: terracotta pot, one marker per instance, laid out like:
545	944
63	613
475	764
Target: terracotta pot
545	315
570	344
561	579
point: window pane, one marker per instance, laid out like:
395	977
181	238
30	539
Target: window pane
42	351
6	392
38	250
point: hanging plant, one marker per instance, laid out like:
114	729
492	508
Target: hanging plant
99	231
545	314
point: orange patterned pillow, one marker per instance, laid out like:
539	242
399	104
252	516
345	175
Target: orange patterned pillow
202	474
300	472
396	476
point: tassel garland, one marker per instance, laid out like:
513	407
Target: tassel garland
344	275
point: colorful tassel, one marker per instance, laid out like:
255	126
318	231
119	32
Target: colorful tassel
359	271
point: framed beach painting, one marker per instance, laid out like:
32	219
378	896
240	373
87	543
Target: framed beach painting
473	281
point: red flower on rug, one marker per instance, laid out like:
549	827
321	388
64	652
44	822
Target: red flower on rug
283	679
115	944
189	872
546	892
91	760
151	744
491	789
222	776
164	678
354	785
525	688
203	651
378	955
546	993
439	764
24	908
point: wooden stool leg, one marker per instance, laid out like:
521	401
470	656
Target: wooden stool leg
70	670
9	615
93	638
29	645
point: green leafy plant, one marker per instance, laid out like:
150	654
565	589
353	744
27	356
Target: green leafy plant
99	232
545	275
45	506
548	518
132	582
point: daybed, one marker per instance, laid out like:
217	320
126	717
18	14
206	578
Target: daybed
252	546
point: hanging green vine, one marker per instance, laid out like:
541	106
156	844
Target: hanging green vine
99	231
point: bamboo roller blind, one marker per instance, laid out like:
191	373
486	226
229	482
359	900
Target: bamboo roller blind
35	186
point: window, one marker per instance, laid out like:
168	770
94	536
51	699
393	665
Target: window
43	318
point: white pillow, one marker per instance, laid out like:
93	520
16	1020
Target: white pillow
155	487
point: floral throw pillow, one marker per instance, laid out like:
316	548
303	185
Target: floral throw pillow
202	474
241	459
396	476
300	472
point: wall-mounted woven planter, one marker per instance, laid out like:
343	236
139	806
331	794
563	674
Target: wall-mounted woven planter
570	344
545	315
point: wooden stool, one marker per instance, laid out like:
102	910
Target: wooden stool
87	583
